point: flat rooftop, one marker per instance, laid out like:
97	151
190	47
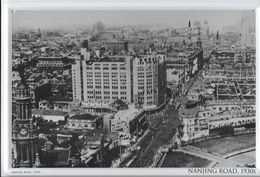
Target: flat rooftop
84	117
127	114
50	112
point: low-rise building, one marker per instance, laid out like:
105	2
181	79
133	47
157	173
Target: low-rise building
50	115
85	122
203	120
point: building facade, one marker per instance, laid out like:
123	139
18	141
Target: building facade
102	81
132	79
85	122
149	75
53	62
203	120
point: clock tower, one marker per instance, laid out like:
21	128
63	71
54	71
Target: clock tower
24	136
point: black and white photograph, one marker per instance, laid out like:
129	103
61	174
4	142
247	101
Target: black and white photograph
133	89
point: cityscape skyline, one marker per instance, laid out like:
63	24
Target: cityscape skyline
82	19
134	96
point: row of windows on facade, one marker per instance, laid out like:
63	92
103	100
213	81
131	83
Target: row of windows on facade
106	92
50	64
105	79
107	83
107	73
55	61
143	76
142	87
105	76
104	73
146	83
104	87
230	108
148	67
148	92
142	82
106	68
140	97
145	73
107	65
105	97
192	128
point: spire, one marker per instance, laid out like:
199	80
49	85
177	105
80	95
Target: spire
189	32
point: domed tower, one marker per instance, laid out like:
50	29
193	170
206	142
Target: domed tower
24	136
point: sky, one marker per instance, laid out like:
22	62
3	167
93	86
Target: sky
164	18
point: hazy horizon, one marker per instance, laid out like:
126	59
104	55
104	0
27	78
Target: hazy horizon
66	19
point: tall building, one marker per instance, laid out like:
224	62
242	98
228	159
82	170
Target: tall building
24	135
149	75
120	77
102	81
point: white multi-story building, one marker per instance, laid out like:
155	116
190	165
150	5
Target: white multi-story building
102	81
139	79
149	75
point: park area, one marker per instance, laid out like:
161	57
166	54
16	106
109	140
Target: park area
227	145
182	160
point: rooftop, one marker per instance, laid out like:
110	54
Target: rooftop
128	114
84	117
190	111
50	112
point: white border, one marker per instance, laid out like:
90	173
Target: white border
257	87
133	4
106	5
